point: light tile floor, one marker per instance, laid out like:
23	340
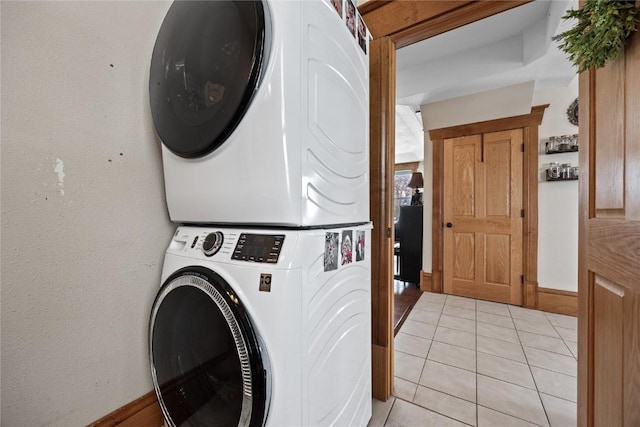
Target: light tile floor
460	361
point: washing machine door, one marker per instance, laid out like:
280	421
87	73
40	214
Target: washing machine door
207	362
207	63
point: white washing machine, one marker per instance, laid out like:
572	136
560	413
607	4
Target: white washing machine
257	327
263	112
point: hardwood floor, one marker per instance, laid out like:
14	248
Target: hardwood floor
405	295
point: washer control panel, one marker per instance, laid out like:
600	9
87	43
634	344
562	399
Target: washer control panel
258	247
212	243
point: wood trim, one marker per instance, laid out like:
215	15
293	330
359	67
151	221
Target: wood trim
144	411
530	297
382	153
410	22
530	206
437	222
529	123
534	118
425	281
371	5
586	209
557	301
408	166
381	361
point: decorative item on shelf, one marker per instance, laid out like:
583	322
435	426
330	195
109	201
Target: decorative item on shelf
416	182
600	34
562	144
572	112
561	172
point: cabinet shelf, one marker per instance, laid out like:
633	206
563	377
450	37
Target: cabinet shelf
569	150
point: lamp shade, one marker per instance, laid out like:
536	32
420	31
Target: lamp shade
416	180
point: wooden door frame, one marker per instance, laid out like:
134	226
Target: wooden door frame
394	24
529	124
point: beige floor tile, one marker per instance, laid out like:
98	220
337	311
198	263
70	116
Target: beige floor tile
462	302
404	389
447	405
418	329
568	334
452	310
449	379
455	337
452	355
405	414
493	308
424	316
433	298
498	332
561	413
511	399
495	319
555	345
380	412
458	323
555	384
562	321
490	418
505	370
429	306
407	367
573	347
536	327
411	344
528	314
551	361
507	350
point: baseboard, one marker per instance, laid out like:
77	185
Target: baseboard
557	301
426	282
143	411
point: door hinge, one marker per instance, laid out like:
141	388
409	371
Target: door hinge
522	148
522	279
521	213
388	232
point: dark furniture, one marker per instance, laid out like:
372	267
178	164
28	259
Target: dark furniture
409	235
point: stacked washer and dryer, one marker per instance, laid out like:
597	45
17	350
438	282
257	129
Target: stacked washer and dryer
264	313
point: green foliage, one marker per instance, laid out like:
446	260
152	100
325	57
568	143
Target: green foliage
601	32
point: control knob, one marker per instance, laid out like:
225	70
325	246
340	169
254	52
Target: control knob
212	243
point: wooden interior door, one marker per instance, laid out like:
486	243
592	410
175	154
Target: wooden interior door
482	215
609	243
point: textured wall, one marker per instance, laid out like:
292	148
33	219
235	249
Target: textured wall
84	221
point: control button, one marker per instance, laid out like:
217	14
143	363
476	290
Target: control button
212	243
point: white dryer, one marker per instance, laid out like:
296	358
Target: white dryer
257	327
262	108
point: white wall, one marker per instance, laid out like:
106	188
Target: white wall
84	221
557	201
489	105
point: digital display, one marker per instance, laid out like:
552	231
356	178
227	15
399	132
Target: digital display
258	248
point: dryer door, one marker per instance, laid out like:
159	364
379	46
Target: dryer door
206	66
207	363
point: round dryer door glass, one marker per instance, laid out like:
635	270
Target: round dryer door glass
206	362
206	66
